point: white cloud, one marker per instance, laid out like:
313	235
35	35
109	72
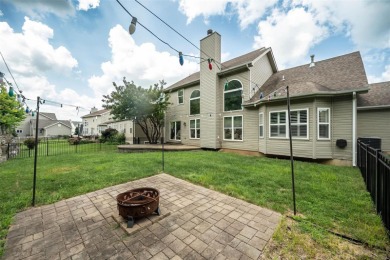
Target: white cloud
248	10
141	63
31	53
39	8
290	35
85	5
365	22
1	13
385	76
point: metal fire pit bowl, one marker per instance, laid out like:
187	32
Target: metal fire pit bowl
138	203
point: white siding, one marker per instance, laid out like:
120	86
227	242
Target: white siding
260	72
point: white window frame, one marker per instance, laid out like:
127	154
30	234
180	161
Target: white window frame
278	124
182	96
233	129
299	123
322	123
191	99
232	90
196	128
261	124
286	124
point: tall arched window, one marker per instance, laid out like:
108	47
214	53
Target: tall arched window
195	102
232	95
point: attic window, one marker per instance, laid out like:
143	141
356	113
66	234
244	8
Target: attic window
232	95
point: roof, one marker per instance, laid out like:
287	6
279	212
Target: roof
50	116
241	60
378	95
48	123
336	75
97	113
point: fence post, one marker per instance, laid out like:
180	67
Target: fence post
376	179
366	168
47	146
8	151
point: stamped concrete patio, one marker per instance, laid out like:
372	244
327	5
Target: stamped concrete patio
196	223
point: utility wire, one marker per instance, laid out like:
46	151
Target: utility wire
16	84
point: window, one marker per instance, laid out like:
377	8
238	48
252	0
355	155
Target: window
299	123
175	130
85	123
130	130
19	131
323	120
261	125
195	128
277	124
180	96
195	103
232	128
232	95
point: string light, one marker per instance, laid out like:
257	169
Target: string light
133	24
210	65
181	60
11	90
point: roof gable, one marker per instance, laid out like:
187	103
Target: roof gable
342	73
241	60
97	113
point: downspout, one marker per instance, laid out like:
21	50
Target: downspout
354	109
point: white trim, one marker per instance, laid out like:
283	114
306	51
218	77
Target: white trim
189	103
318	123
232	128
196	127
232	90
178	102
354	111
286	124
261	124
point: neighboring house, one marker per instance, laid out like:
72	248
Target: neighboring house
94	122
241	104
48	125
373	113
130	129
74	125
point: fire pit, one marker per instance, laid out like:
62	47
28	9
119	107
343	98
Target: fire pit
138	203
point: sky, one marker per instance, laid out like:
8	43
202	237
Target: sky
70	51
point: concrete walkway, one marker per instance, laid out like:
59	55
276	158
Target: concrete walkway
201	224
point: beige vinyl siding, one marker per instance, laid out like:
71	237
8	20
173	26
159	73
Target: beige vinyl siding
281	146
181	112
263	141
375	123
57	129
322	149
260	72
208	91
341	125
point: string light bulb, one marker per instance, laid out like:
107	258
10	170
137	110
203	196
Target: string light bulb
11	91
181	59
32	114
19	97
27	110
210	65
132	25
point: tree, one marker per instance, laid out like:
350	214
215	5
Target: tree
11	111
145	106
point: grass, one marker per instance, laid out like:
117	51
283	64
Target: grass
328	197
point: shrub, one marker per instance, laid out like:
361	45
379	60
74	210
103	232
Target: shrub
30	143
109	133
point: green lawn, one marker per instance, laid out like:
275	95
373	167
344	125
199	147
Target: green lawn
328	197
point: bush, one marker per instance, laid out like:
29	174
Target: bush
109	133
30	143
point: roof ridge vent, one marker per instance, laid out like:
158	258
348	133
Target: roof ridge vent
312	64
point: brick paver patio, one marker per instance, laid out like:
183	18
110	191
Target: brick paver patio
200	224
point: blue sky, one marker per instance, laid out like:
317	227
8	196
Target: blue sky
70	51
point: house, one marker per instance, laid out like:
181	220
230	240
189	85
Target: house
131	130
373	114
241	104
48	125
94	123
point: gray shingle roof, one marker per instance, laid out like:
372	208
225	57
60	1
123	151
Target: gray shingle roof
46	123
342	73
97	113
243	59
51	116
378	95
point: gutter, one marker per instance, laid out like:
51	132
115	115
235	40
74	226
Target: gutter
321	94
373	107
189	84
354	140
235	69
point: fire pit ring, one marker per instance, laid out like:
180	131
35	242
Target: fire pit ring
137	203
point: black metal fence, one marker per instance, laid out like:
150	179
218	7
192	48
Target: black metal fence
48	147
374	166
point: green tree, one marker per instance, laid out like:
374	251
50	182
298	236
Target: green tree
11	111
145	106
